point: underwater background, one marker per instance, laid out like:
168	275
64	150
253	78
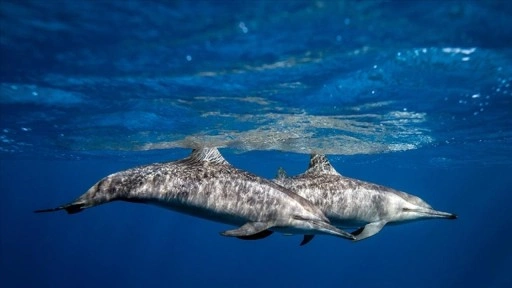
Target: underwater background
414	95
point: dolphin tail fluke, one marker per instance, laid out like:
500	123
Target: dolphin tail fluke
71	208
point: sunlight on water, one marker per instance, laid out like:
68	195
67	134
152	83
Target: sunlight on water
338	88
303	133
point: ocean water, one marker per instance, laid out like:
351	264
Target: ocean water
415	95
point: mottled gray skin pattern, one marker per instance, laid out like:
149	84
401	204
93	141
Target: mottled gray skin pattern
349	202
207	186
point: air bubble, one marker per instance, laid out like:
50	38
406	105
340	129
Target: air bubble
242	27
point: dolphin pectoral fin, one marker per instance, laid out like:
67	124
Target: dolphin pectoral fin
257	236
358	231
368	230
249	229
307	239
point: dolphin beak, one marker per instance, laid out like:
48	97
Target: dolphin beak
431	213
329	229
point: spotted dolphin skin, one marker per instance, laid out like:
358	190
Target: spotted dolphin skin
353	203
205	185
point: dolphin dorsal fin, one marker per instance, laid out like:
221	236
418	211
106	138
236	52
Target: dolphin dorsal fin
281	173
211	155
319	164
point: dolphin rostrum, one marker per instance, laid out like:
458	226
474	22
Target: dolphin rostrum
205	185
349	202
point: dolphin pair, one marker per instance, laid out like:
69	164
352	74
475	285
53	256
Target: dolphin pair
353	203
205	185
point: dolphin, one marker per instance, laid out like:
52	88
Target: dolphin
350	202
205	185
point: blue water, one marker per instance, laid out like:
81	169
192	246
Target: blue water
412	95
